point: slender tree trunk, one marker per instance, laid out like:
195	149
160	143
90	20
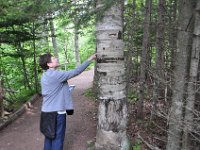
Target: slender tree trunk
34	58
197	104
180	72
159	66
45	34
170	54
112	112
26	80
173	31
1	100
130	42
1	89
143	63
53	36
65	52
76	44
76	36
192	84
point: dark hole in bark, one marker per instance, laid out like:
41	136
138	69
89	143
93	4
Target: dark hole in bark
103	73
107	60
103	48
119	35
114	127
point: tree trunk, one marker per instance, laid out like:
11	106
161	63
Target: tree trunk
192	84
1	89
180	72
112	112
159	66
130	43
53	36
76	44
143	64
26	81
65	51
34	58
1	101
170	54
22	57
45	34
172	31
76	35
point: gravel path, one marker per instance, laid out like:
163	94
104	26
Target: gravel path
24	134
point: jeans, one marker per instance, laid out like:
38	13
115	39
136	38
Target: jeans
58	142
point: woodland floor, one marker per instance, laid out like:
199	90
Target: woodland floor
24	134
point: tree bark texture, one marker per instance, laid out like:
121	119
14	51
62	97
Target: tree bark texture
45	35
172	31
160	64
130	29
185	29
192	83
24	69
34	60
76	45
170	57
112	96
1	101
53	36
143	63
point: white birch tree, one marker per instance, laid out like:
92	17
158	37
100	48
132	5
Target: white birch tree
112	97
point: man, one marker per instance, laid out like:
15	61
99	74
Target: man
56	98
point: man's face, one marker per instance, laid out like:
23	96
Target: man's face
54	63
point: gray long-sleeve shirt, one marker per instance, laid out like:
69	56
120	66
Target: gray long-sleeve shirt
55	88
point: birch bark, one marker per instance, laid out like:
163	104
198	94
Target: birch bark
112	96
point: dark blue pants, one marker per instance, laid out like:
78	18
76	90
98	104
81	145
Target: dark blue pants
58	142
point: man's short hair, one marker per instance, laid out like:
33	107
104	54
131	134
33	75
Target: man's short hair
44	59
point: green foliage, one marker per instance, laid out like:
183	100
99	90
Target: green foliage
17	69
137	145
90	93
21	30
90	145
21	97
88	43
132	96
24	95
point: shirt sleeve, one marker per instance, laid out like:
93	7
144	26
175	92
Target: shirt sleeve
63	76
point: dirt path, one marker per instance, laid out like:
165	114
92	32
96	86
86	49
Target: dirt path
24	134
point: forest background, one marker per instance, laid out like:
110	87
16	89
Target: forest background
161	53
